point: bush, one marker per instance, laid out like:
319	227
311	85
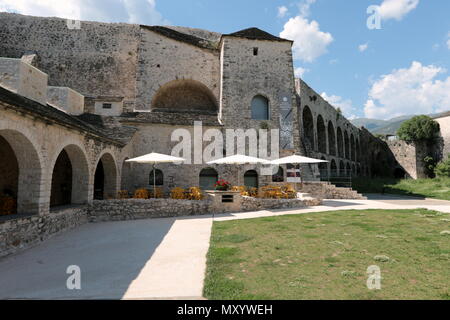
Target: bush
418	128
443	168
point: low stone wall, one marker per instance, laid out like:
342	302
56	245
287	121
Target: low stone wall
23	232
254	204
131	209
26	231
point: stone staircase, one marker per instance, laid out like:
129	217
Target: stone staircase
326	190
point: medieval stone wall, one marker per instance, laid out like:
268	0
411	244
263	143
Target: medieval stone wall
163	60
97	59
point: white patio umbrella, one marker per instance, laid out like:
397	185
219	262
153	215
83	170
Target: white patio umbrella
239	160
296	159
154	158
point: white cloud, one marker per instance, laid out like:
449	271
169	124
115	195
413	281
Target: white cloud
305	7
409	91
345	105
282	11
131	11
299	72
309	42
363	47
396	9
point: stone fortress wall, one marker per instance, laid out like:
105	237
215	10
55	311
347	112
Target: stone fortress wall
140	83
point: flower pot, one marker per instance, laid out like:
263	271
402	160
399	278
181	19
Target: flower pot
222	188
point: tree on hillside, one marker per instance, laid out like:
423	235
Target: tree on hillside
418	128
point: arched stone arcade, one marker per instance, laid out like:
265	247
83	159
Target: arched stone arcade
69	177
105	177
20	171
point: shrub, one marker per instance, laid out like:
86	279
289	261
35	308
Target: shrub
443	168
418	128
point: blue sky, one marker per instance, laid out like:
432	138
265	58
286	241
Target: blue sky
402	68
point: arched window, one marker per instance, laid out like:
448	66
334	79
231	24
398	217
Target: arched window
158	176
251	179
279	176
260	108
208	178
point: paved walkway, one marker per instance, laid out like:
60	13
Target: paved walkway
144	259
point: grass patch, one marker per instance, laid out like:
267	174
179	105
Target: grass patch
261	259
438	188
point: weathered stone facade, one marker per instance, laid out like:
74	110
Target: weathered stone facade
76	103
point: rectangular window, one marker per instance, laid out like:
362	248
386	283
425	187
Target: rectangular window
107	106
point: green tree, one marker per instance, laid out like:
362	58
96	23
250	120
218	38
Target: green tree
418	128
443	168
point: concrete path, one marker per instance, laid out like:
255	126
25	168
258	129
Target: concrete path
144	259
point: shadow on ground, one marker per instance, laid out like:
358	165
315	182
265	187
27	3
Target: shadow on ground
110	255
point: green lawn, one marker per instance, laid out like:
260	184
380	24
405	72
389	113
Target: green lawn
326	255
438	188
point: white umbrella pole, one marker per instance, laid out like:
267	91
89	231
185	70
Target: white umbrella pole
154	181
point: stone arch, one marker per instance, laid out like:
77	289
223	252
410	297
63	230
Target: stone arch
346	145
260	108
331	139
358	151
341	168
352	147
24	182
158	177
251	179
308	127
321	135
126	179
323	169
340	143
207	178
105	177
184	95
333	168
74	156
279	175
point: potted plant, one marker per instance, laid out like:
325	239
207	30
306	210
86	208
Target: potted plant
222	185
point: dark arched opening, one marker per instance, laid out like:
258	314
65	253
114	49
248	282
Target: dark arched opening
260	108
346	145
61	192
9	178
208	178
251	179
340	143
331	139
156	179
184	96
105	179
321	135
279	176
308	127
